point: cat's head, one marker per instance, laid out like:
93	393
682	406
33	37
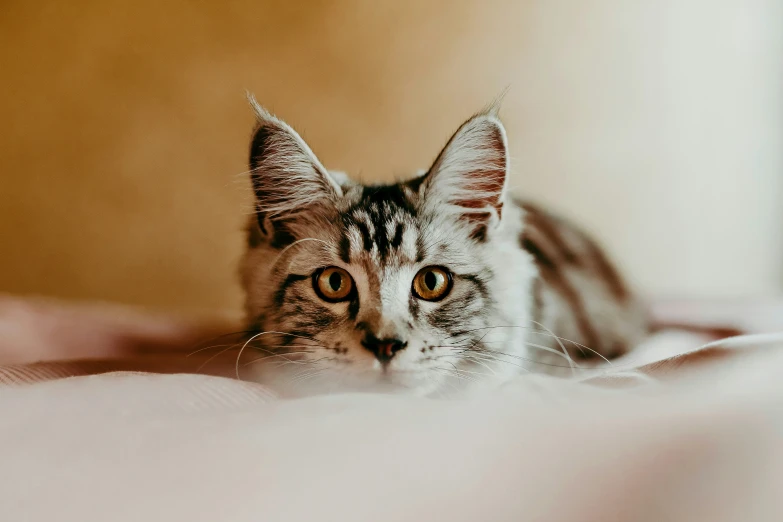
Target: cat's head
397	284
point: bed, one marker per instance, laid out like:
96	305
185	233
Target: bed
106	416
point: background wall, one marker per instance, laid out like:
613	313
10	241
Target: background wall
124	128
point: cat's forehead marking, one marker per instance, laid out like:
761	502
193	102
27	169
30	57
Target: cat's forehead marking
380	224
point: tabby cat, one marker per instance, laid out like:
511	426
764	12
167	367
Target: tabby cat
426	285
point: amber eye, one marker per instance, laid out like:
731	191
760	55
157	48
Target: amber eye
432	283
332	284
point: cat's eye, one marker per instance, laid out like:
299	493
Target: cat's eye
432	283
332	284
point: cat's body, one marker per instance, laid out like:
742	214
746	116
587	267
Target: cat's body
578	293
428	285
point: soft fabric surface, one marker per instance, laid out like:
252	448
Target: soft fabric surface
705	444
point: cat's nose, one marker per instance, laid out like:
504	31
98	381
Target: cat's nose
384	349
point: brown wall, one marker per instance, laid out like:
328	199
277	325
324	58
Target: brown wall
124	126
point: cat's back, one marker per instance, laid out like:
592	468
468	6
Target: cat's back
579	293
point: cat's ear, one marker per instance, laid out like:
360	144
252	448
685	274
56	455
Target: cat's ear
469	175
287	177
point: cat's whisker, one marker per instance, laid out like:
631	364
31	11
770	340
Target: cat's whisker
312	376
546	332
571	364
213	357
455	374
287	334
280	364
532	361
211	348
562	355
487	356
295	243
466	373
565	353
310	362
464	332
563	347
454	366
237	344
272	346
475	348
629	366
239	355
306	375
559	342
482	364
281	355
240	332
464	351
551	335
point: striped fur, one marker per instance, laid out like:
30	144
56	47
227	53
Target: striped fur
516	272
578	293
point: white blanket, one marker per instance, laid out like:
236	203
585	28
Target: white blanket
141	447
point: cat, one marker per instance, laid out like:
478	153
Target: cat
440	282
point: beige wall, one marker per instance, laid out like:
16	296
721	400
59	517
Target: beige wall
125	130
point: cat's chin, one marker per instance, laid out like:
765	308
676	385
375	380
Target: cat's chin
420	384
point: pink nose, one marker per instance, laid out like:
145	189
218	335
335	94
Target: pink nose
384	349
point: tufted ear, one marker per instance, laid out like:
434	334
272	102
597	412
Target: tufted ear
469	175
288	180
